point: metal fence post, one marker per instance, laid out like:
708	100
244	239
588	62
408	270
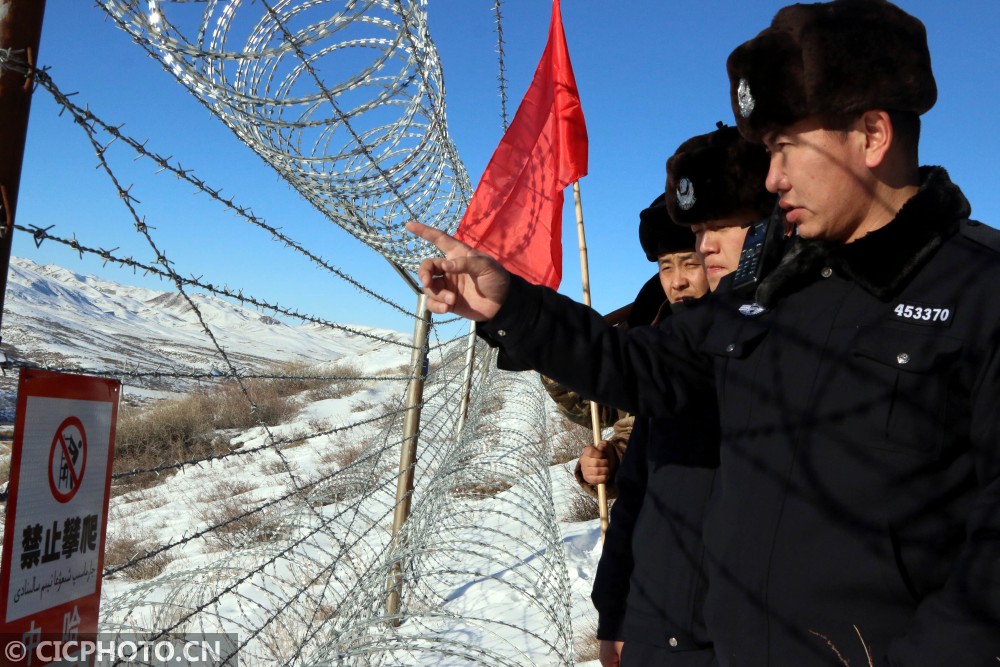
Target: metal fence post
470	359
408	451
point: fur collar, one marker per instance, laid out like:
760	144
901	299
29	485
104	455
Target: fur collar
883	261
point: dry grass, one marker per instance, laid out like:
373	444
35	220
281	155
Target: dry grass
189	428
237	522
384	408
582	507
345	451
222	490
348	382
568	441
481	489
5	470
279	467
399	371
840	657
121	549
586	645
492	404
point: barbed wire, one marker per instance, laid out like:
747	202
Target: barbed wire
267	83
43	234
303	577
451	541
86	117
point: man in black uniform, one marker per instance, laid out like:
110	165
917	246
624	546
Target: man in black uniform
857	507
650	584
680	276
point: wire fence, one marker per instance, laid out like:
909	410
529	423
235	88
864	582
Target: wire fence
285	536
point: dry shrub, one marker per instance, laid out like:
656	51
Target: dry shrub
348	381
568	441
582	507
340	491
389	408
319	426
232	410
492	404
164	432
295	378
238	522
345	451
222	490
134	544
279	467
380	408
401	371
586	645
481	489
5	470
187	428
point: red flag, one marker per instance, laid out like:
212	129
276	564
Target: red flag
516	211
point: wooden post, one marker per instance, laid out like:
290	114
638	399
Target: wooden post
408	451
20	33
595	417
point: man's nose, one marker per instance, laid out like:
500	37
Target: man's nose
775	181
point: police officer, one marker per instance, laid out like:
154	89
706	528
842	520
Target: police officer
650	583
857	507
680	276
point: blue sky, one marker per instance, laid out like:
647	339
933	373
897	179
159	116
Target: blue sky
651	74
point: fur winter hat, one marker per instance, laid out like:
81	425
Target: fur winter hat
658	234
717	175
843	56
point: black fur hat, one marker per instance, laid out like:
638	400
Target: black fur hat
717	175
658	234
840	57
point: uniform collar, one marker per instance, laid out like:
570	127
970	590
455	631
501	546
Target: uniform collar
884	260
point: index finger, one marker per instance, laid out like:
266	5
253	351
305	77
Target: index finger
445	243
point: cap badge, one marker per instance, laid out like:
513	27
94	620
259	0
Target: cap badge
745	98
685	194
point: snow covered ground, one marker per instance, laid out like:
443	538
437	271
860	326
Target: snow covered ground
287	540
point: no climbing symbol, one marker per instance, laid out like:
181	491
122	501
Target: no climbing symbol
67	459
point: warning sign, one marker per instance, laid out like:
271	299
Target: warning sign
60	480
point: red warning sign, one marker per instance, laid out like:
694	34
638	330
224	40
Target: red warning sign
57	505
67	459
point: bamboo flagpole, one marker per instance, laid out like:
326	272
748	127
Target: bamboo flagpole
595	418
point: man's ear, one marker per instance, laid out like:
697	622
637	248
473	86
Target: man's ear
878	131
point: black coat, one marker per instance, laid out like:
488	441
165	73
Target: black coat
858	491
653	549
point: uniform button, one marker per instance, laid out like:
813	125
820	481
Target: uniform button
730	348
903	358
826	272
673	642
501	332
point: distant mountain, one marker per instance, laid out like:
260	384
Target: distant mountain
57	318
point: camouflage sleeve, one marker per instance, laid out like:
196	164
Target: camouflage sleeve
622	431
576	408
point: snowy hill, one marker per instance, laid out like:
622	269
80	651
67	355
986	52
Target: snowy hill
55	317
155	341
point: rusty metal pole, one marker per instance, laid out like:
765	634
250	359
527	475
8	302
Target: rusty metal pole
20	33
408	452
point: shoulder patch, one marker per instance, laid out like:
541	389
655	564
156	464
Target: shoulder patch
980	233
